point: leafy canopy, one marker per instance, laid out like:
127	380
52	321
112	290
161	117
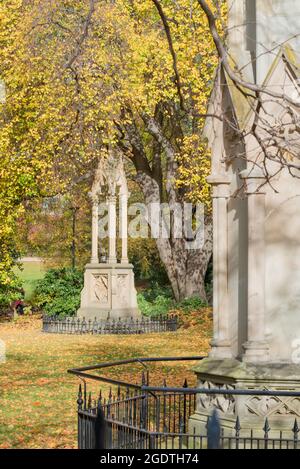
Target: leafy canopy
70	69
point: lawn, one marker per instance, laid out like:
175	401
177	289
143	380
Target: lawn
38	396
30	272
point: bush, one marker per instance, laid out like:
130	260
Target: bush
58	293
159	300
161	305
10	293
191	304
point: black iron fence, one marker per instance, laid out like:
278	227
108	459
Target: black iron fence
143	325
140	416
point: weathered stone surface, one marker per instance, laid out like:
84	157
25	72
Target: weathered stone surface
239	371
109	292
256	340
252	411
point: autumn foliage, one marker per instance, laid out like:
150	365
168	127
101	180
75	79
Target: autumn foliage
82	74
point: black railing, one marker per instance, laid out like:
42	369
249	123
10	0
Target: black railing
140	416
143	325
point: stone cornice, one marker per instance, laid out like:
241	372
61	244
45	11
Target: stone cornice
218	179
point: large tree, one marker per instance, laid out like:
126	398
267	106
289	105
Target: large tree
136	74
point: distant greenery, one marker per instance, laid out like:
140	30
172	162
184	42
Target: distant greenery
10	293
58	293
30	272
159	300
144	256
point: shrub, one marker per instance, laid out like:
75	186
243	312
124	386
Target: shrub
192	304
161	305
10	292
159	300
58	293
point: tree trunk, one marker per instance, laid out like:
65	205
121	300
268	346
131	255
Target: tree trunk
187	271
185	268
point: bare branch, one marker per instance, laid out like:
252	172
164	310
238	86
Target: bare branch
84	34
224	59
172	51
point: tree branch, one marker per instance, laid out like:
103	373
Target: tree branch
222	52
84	34
172	51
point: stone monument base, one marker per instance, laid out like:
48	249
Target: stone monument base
229	374
108	293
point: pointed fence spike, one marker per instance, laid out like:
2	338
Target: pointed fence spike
79	397
296	428
99	405
90	401
185	384
267	427
237	426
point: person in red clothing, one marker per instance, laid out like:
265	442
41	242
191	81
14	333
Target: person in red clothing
18	306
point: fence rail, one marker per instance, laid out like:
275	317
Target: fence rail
73	325
140	416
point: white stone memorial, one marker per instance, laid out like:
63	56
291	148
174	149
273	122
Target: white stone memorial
256	227
109	291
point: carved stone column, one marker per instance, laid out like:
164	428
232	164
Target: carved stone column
124	227
256	347
221	343
95	230
112	228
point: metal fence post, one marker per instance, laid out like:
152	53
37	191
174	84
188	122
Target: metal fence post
144	406
101	433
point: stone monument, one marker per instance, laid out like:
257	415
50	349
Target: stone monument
256	225
109	291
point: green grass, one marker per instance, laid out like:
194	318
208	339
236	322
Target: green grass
30	272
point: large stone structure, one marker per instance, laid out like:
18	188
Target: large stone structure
109	291
256	224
